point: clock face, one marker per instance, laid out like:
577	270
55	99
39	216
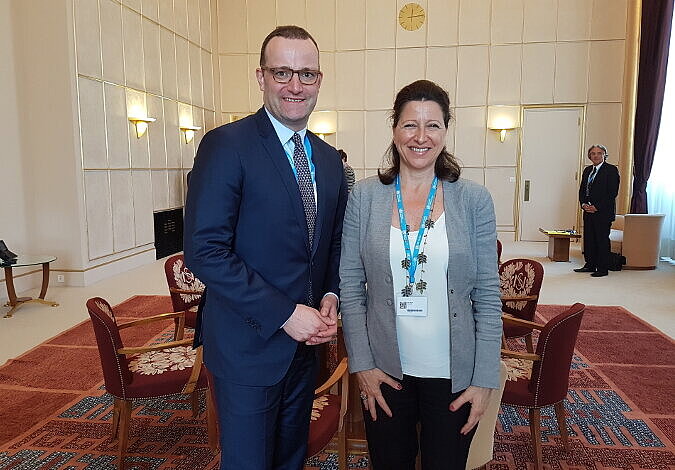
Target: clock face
411	17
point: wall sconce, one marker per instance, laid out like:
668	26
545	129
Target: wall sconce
502	132
141	124
323	123
189	132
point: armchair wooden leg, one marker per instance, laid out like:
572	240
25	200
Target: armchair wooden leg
342	449
212	422
535	430
562	424
124	419
528	343
116	418
194	401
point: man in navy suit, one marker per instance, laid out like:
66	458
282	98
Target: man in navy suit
597	196
263	223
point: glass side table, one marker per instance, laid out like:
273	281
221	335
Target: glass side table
22	261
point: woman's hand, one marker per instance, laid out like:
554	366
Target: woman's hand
478	397
369	383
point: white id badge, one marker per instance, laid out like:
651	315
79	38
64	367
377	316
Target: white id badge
411	306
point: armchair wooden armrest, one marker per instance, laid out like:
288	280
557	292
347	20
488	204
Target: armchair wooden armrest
513	321
152	319
175	290
341	373
154	347
340	370
516	298
520	355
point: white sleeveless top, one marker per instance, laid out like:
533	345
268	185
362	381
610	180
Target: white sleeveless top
424	342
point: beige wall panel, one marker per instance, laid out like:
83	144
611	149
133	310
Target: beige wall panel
117	125
501	182
167	41
350	80
196	75
606	70
351	24
470	136
474	22
321	23
160	190
450	136
326	99
404	38
197	120
111	40
133	4
183	65
472	75
150	8
608	19
172	134
442	69
133	49
261	19
193	21
166	16
156	138
380	73
255	96
571	72
538	73
507	21
232	30
122	210
205	24
88	33
378	137
359	173
175	188
443	22
292	12
505	74
151	57
539	20
370	172
92	124
138	147
209	121
180	11
207	77
574	20
142	193
99	213
351	135
380	27
603	126
411	65
502	153
474	174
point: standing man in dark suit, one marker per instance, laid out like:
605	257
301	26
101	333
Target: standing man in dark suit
263	224
597	196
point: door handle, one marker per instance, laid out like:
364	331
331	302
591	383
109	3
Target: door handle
527	191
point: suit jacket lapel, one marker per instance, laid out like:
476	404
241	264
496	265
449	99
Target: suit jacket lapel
277	155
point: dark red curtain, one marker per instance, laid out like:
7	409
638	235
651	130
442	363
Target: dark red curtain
657	16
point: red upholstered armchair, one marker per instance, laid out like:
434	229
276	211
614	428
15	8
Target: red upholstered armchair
549	380
147	372
520	281
185	290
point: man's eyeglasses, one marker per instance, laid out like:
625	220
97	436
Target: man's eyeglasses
285	75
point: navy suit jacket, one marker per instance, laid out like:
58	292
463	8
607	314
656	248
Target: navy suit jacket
246	238
603	190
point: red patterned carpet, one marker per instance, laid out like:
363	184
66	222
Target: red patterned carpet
55	413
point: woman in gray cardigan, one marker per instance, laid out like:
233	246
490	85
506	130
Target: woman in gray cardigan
420	307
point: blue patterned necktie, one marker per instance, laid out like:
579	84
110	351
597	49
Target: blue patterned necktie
591	177
304	177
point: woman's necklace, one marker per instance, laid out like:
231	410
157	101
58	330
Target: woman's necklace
416	257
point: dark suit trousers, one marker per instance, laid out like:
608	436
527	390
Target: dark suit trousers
265	428
596	241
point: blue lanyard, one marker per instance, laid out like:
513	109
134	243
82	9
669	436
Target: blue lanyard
412	258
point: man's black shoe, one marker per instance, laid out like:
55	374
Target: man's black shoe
585	269
599	274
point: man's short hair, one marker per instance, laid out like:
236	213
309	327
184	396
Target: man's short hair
286	32
599	146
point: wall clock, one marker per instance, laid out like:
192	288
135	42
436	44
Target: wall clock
411	16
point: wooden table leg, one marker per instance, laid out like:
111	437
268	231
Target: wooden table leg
45	280
15	302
